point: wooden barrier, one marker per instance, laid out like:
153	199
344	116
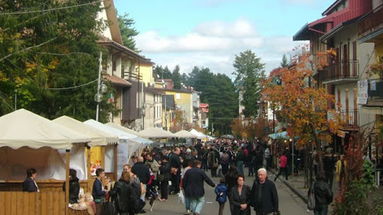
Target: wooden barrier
24	203
45	185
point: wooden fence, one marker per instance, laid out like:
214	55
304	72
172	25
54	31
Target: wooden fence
50	201
24	203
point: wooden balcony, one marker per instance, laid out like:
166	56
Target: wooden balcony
339	73
370	26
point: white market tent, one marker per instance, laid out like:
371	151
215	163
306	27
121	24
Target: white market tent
24	128
125	129
156	133
185	134
126	145
198	134
97	137
29	140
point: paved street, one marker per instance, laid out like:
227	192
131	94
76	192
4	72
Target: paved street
289	204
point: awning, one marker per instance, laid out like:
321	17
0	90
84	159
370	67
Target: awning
184	134
24	128
198	134
125	129
117	81
156	133
96	136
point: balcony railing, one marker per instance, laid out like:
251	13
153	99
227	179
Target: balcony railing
349	118
340	72
372	22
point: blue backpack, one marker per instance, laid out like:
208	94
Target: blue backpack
221	192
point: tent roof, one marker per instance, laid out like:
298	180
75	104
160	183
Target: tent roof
184	134
198	134
125	129
24	128
121	134
156	133
96	136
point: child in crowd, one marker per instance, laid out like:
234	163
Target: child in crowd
221	192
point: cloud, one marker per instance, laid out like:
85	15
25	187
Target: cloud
210	36
214	45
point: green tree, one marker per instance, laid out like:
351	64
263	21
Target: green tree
284	63
128	32
249	72
176	77
219	92
52	49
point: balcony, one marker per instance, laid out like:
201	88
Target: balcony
370	26
339	73
349	118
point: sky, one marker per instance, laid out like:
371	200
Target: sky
210	33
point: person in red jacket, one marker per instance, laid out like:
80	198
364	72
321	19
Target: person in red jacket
282	166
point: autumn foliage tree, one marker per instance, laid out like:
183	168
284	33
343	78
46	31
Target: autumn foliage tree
302	106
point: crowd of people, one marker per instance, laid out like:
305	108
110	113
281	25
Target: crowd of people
157	173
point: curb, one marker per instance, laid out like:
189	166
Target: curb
293	189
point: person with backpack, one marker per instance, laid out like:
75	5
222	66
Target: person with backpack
212	160
319	196
221	195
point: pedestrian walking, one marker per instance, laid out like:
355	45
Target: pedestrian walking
221	195
264	195
143	173
125	195
231	177
240	198
323	195
282	166
268	159
163	178
240	158
193	183
212	161
176	165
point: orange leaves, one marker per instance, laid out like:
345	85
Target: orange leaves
300	104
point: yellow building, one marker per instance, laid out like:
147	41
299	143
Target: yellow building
183	100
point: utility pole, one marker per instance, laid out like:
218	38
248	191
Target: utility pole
15	99
98	96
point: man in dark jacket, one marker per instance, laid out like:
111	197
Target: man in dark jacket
193	186
175	163
264	194
323	195
141	170
143	173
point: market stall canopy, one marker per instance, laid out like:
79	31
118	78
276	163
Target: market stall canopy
125	129
156	133
280	135
184	134
198	134
24	128
120	134
97	137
